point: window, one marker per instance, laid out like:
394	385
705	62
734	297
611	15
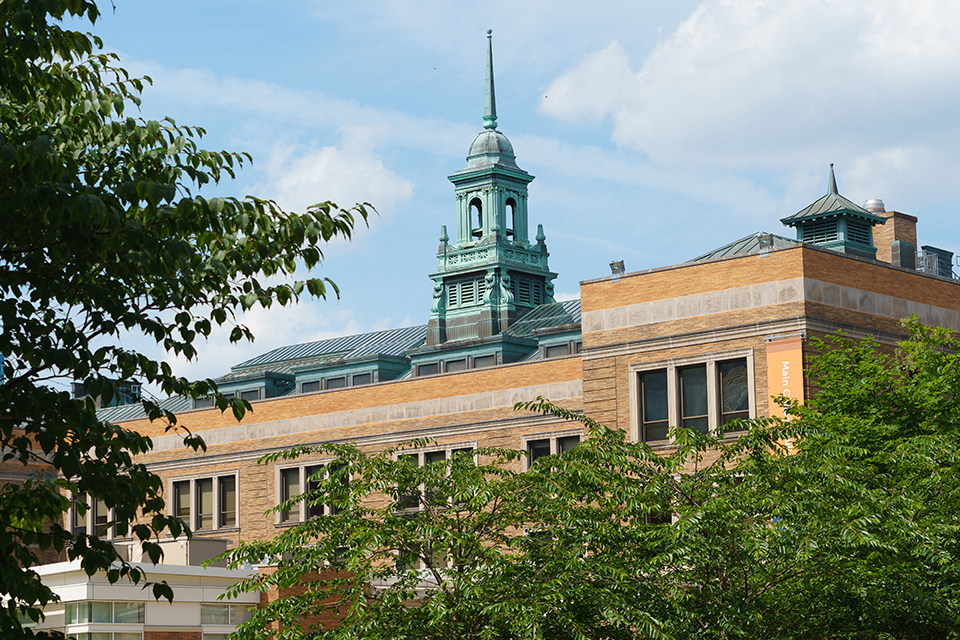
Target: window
456	365
336	383
290	488
206	502
308	387
225	614
484	361
693	398
228	502
428	369
654	410
699	393
250	395
103	612
362	378
78	523
409	497
557	350
547	445
734	390
296	481
94	521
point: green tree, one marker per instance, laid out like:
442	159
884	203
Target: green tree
841	522
101	233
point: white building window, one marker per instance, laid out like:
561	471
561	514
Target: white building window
205	503
291	482
701	392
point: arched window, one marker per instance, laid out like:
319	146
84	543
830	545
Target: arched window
511	216
476	214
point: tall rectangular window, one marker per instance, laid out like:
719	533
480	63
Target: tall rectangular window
205	503
408	497
694	411
101	516
654	407
228	501
432	494
734	390
538	449
289	488
568	443
312	476
79	523
181	500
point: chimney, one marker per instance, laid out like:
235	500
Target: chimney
895	241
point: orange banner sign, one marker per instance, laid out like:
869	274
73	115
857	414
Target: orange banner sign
784	371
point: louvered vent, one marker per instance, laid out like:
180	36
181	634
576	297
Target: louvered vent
820	231
858	232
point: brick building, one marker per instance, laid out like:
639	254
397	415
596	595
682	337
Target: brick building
702	343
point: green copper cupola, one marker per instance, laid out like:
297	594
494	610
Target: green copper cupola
836	223
489	274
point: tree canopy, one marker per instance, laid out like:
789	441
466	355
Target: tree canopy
840	522
102	234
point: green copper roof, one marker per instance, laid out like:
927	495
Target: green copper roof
490	96
832	204
747	245
546	316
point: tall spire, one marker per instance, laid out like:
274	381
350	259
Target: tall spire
832	185
490	97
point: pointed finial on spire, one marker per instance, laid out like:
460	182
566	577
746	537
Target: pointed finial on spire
490	98
832	185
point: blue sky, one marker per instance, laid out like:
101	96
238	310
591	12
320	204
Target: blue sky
656	131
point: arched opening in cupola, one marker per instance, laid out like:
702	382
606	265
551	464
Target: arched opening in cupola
476	216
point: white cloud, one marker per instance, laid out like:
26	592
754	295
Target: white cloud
754	83
298	176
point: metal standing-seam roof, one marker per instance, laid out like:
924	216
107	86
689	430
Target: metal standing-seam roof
391	342
174	404
747	245
832	204
546	316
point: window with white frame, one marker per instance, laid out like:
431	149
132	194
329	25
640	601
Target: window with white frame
224	614
103	612
205	503
700	393
543	445
296	481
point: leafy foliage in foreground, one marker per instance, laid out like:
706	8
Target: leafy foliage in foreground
100	236
849	531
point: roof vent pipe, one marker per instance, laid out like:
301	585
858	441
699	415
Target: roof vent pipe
874	205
